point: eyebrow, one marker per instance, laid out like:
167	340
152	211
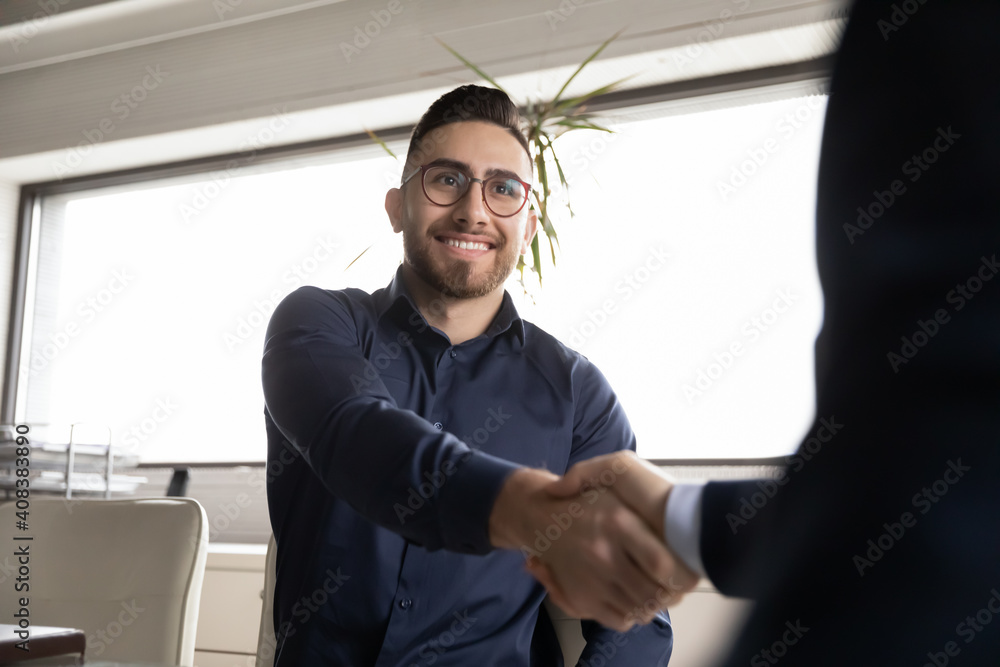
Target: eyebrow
492	171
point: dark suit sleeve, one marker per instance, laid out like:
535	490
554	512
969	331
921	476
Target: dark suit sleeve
727	527
330	404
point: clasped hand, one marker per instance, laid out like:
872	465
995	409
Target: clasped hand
594	538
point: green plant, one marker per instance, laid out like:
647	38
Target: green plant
544	122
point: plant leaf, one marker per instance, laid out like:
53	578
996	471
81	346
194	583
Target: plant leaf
593	55
565	184
483	75
536	255
544	122
582	124
553	242
580	100
378	140
358	257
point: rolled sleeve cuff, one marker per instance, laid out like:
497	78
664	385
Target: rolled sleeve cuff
682	524
467	502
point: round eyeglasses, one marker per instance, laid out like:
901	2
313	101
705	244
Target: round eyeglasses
444	185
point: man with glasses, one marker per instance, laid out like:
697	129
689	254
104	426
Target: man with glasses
413	432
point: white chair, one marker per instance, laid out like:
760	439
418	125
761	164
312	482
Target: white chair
265	636
568	632
567	628
126	572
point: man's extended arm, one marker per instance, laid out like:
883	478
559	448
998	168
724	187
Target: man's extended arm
330	403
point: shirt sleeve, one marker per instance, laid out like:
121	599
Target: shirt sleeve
387	463
650	644
682	524
599	422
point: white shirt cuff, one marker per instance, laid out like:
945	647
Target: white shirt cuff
682	524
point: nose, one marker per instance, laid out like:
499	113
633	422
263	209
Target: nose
471	208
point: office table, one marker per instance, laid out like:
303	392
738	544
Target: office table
44	642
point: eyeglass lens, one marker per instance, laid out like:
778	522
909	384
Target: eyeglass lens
446	185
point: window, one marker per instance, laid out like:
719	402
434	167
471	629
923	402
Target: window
688	276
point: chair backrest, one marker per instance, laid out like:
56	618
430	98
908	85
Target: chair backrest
567	628
126	572
265	635
568	632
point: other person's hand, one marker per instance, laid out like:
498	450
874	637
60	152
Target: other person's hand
645	490
594	554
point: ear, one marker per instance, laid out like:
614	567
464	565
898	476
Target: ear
394	207
530	229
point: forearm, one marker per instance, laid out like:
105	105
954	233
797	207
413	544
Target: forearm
388	463
730	533
397	470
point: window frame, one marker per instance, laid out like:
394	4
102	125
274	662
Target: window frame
687	96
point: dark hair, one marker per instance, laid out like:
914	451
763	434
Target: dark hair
468	102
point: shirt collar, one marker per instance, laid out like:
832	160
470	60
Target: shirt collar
396	295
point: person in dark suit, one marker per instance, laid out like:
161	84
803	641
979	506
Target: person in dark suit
880	542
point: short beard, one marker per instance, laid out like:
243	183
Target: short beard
456	279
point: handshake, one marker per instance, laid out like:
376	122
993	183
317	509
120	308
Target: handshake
595	538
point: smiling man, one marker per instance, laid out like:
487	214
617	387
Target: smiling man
413	433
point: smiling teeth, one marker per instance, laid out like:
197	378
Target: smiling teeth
465	245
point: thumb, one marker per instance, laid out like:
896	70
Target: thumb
568	486
586	474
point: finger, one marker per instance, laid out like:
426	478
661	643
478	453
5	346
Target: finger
640	594
658	564
637	593
612	616
606	613
577	477
625	611
541	572
567	486
644	488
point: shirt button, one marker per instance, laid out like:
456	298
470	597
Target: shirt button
454	354
405	603
438	425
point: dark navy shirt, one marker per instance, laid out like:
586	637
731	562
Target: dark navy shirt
387	446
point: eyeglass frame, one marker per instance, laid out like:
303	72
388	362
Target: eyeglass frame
422	170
